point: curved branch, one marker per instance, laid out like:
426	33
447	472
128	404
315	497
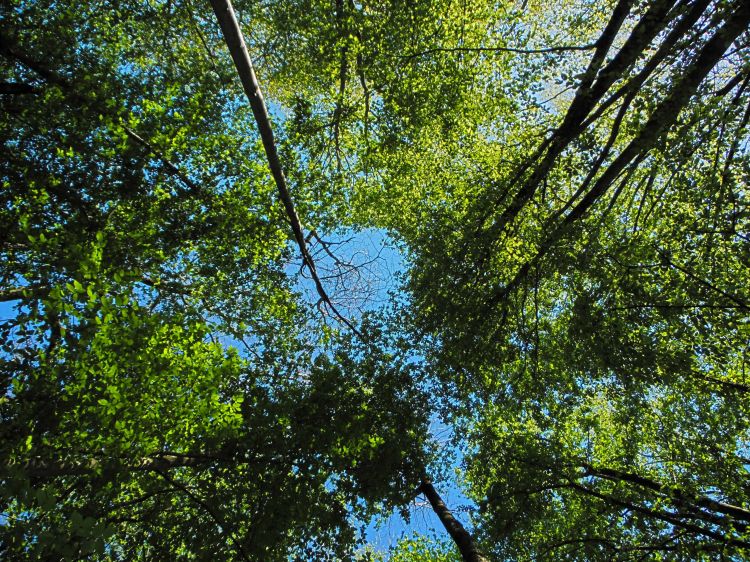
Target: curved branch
678	494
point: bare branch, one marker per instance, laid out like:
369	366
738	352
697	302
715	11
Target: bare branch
560	49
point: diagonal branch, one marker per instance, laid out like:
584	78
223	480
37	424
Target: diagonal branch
671	518
230	28
464	542
662	118
16	88
679	495
208	508
17	52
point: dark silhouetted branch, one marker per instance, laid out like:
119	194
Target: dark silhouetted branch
465	543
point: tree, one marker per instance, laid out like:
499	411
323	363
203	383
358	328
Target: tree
593	347
131	427
567	182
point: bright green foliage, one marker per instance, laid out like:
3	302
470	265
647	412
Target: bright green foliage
422	549
590	334
568	182
168	393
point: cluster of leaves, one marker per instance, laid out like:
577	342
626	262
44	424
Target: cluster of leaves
568	181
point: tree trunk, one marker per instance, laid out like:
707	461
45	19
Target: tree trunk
230	29
462	538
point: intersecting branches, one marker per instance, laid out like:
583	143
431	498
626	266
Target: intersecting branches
11	50
600	178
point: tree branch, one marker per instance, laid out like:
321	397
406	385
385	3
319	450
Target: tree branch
230	28
220	523
15	88
543	50
660	120
9	49
677	494
670	518
42	468
465	543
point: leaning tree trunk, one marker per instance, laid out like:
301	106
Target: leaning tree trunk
466	545
230	29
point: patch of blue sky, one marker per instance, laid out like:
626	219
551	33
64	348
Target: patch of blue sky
360	270
9	311
379	265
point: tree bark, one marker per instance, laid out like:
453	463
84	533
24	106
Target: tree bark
465	543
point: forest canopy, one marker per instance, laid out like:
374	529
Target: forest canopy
204	358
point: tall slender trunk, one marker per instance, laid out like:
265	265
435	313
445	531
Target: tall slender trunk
465	543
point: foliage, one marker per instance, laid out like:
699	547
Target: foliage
423	549
568	184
